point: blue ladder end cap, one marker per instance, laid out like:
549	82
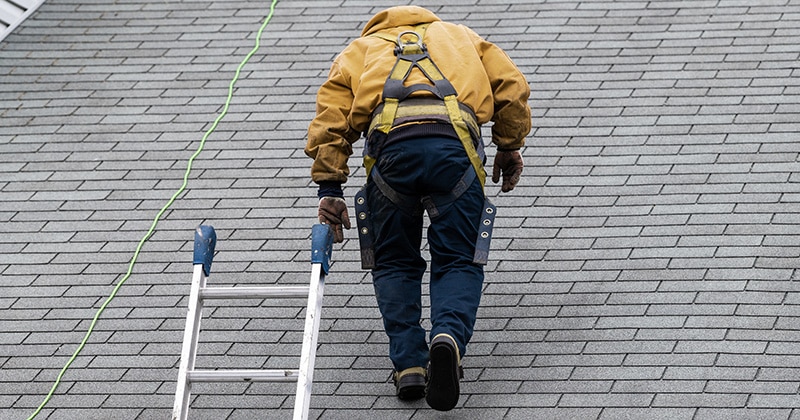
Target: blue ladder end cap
205	239
321	246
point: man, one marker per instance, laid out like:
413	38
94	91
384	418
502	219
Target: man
419	88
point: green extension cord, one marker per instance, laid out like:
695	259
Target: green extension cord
160	213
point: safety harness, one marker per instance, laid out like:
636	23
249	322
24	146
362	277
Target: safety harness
398	110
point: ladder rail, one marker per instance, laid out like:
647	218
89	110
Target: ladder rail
310	336
191	334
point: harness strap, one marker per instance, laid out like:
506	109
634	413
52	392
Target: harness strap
483	243
364	225
416	110
406	202
431	202
466	140
434	201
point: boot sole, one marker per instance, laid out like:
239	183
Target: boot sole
443	389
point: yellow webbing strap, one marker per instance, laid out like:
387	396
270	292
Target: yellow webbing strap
430	69
369	162
400	70
387	117
466	139
427	109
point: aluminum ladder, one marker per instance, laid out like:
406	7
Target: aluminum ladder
204	243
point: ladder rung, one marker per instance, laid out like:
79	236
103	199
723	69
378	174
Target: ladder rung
257	375
253	292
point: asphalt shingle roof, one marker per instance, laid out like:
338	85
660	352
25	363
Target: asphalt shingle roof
644	268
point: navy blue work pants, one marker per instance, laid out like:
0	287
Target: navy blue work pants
416	168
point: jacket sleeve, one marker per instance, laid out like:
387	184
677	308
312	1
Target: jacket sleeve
330	137
512	114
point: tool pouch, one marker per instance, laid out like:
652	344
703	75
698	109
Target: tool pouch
364	225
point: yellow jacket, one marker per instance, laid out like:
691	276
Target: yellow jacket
483	75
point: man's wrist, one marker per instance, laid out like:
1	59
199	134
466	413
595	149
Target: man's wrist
330	189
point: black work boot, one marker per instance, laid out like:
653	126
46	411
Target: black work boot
444	373
410	383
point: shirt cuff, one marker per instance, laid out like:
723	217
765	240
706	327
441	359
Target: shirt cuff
330	189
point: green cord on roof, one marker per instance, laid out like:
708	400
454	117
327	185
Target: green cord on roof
160	213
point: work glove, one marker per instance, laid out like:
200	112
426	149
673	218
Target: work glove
509	164
333	211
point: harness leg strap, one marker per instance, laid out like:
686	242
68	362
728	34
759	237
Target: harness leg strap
364	225
434	201
483	243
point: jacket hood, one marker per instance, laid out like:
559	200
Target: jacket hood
399	16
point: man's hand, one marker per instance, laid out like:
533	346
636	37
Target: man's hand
509	163
333	211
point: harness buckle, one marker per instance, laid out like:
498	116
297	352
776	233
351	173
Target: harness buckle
402	45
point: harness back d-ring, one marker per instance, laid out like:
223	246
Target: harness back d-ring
401	45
